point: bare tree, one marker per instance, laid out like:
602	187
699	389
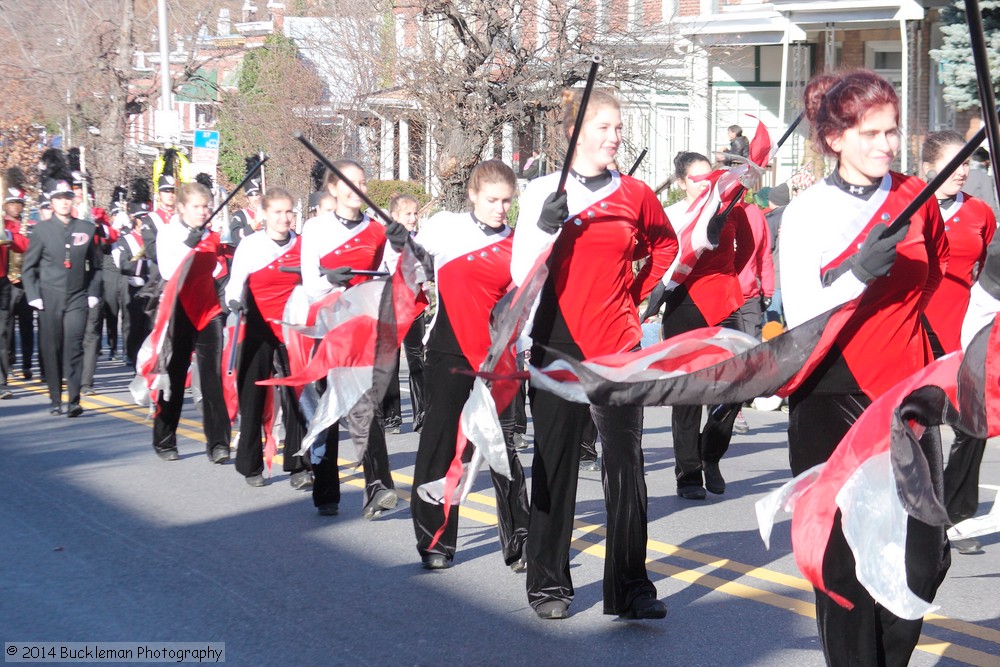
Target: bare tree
479	65
75	57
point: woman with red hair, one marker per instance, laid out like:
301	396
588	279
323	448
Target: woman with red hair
835	247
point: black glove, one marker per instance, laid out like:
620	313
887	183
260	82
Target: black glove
656	299
989	277
397	235
713	230
338	277
766	301
555	210
236	306
193	237
877	253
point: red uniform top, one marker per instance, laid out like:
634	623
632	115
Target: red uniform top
970	225
19	243
472	273
329	243
257	264
713	283
590	264
884	341
198	295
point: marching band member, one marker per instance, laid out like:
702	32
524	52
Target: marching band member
838	226
260	289
196	326
11	241
588	308
969	224
245	221
471	257
62	280
333	246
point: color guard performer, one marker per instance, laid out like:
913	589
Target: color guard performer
588	308
260	289
471	257
332	246
196	327
969	224
62	280
834	241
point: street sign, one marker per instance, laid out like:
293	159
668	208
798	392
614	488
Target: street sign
205	151
206	139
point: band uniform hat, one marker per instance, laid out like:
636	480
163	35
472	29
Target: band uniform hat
168	183
58	188
13	195
137	208
43	200
252	187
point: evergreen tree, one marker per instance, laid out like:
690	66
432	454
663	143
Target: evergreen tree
957	71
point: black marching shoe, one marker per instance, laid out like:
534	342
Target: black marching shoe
55	409
74	410
384	499
301	480
691	492
328	509
255	480
435	562
167	454
553	609
646	606
220	454
519	566
714	481
5	393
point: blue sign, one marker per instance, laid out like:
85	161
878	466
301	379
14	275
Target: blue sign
206	139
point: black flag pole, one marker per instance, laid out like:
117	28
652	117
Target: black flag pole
638	161
595	63
935	183
372	206
239	187
987	99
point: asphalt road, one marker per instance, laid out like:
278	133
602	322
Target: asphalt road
104	542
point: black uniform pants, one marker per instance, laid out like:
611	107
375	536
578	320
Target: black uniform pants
136	323
6	328
692	445
207	348
112	306
413	347
60	329
92	342
375	461
24	315
559	426
446	396
867	635
260	355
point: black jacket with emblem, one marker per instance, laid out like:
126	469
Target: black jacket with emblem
46	259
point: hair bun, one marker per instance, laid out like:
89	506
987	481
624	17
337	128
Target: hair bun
815	93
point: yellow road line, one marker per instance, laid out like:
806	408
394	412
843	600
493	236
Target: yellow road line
805	608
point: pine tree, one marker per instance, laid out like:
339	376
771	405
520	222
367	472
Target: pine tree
957	71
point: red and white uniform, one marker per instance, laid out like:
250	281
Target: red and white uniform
19	243
329	243
161	217
713	284
884	341
198	295
472	273
257	265
969	224
591	259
